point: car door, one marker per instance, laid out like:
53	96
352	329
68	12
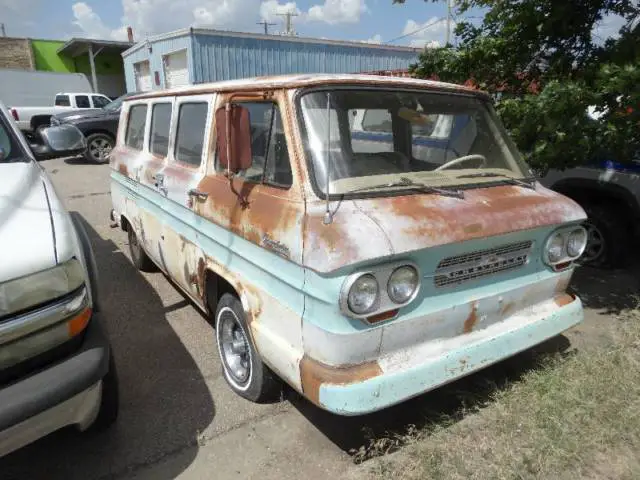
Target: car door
147	209
186	166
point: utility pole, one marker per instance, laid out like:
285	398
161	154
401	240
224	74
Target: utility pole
449	17
266	26
4	32
288	23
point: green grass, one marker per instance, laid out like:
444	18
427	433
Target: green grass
575	416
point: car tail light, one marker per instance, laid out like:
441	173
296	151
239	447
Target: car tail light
14	114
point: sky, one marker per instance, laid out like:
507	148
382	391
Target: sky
377	21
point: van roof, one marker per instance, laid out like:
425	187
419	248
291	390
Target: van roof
307	80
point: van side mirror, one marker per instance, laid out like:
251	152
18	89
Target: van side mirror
233	138
59	141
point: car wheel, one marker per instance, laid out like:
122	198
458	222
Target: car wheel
138	256
242	367
99	148
607	238
109	401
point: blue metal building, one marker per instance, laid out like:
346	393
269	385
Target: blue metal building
193	55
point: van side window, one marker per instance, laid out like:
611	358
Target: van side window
270	155
134	137
160	124
192	120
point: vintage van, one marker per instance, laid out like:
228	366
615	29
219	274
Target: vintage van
364	239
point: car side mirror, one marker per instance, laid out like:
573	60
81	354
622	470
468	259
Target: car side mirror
59	141
233	138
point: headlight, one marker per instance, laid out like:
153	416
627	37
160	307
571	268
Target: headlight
363	294
555	248
403	283
577	242
565	246
38	288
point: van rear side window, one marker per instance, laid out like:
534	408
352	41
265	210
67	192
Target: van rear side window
192	120
160	124
134	137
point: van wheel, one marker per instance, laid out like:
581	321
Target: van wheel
138	256
109	402
242	367
99	148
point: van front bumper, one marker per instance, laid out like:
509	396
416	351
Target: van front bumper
402	375
66	393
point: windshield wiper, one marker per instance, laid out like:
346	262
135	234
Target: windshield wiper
512	181
407	182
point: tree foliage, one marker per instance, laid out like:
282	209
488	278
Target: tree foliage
546	65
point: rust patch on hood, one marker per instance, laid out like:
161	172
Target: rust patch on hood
418	221
314	374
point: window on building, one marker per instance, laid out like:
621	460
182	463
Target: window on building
100	101
134	136
82	101
160	124
62	101
192	120
270	157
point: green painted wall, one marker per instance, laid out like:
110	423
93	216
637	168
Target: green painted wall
47	59
44	53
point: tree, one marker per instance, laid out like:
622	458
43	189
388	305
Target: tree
547	66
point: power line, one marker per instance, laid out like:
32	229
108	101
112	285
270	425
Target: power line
431	24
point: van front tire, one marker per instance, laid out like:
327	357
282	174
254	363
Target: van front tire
138	256
242	367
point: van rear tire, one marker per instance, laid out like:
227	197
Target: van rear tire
138	256
242	366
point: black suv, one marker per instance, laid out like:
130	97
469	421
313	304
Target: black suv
99	126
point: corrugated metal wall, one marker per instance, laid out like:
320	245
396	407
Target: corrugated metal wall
220	57
159	49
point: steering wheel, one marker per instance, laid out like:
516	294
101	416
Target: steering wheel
466	158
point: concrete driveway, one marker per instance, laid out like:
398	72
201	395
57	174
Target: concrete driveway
178	418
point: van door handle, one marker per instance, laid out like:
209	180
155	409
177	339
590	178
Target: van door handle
199	194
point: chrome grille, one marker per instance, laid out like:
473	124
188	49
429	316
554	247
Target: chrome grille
469	266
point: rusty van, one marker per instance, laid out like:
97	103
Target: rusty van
363	239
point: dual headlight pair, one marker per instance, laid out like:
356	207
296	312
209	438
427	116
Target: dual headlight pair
565	246
381	290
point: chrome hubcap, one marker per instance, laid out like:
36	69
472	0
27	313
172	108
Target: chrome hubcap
595	243
100	148
234	346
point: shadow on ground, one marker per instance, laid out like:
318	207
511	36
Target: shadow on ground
164	400
79	160
608	291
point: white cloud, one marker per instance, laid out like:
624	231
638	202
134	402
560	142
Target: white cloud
377	38
338	11
151	17
429	34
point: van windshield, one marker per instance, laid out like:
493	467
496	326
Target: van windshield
370	138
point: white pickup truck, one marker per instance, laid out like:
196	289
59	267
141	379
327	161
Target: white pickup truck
29	119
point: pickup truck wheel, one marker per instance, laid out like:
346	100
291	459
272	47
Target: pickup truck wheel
99	148
608	238
138	256
109	402
242	367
